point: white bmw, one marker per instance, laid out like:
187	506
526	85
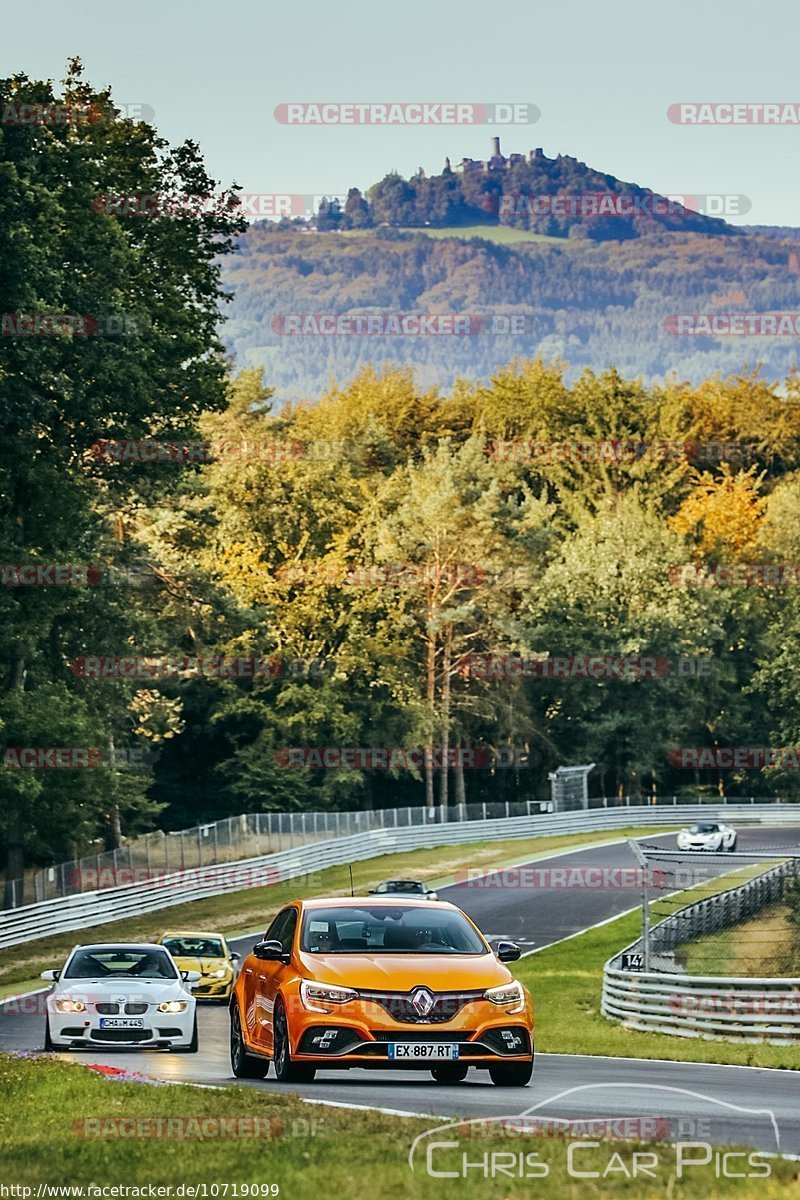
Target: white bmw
121	995
707	835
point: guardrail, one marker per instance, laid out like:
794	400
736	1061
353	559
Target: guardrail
710	1006
252	834
736	1009
85	909
722	910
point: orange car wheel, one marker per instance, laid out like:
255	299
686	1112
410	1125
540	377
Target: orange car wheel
244	1065
511	1074
287	1071
450	1072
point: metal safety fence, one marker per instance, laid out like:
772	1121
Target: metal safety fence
161	889
724	961
253	834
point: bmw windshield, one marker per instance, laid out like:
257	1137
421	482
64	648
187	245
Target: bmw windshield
383	930
122	963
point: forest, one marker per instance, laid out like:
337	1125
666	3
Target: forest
376	590
592	304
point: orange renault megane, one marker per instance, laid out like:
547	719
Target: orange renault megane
380	982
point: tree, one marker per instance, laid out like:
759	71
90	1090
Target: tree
133	353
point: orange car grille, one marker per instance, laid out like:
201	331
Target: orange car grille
433	1008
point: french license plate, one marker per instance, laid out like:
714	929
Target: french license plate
423	1050
121	1023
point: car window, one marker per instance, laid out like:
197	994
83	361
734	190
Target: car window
282	928
387	930
120	963
194	947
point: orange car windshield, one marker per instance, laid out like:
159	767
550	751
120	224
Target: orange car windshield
383	930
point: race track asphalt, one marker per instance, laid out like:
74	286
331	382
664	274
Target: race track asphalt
698	1101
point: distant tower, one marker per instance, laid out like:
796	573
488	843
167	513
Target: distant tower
496	148
447	167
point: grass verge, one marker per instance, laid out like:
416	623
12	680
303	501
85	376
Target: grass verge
243	912
501	234
565	981
765	946
304	1150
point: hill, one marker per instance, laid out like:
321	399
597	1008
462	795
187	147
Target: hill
590	303
540	256
556	197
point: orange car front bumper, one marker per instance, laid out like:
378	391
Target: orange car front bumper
365	1033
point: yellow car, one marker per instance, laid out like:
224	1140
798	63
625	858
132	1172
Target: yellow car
209	954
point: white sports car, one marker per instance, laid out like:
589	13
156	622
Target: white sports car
121	995
707	835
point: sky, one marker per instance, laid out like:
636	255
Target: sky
602	77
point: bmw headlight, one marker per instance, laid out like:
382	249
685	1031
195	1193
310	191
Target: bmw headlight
320	996
509	996
70	1006
172	1006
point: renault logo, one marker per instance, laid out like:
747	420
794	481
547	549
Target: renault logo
422	1001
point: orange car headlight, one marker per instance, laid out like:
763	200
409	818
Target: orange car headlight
509	996
320	996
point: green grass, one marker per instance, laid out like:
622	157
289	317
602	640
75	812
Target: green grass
502	234
566	980
763	947
21	986
248	911
307	1150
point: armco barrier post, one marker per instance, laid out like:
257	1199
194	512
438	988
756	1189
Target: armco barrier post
639	855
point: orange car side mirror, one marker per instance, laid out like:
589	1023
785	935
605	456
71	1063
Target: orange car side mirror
272	951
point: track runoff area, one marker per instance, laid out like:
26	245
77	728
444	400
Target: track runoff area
535	904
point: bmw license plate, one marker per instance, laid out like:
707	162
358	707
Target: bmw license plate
423	1050
121	1023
